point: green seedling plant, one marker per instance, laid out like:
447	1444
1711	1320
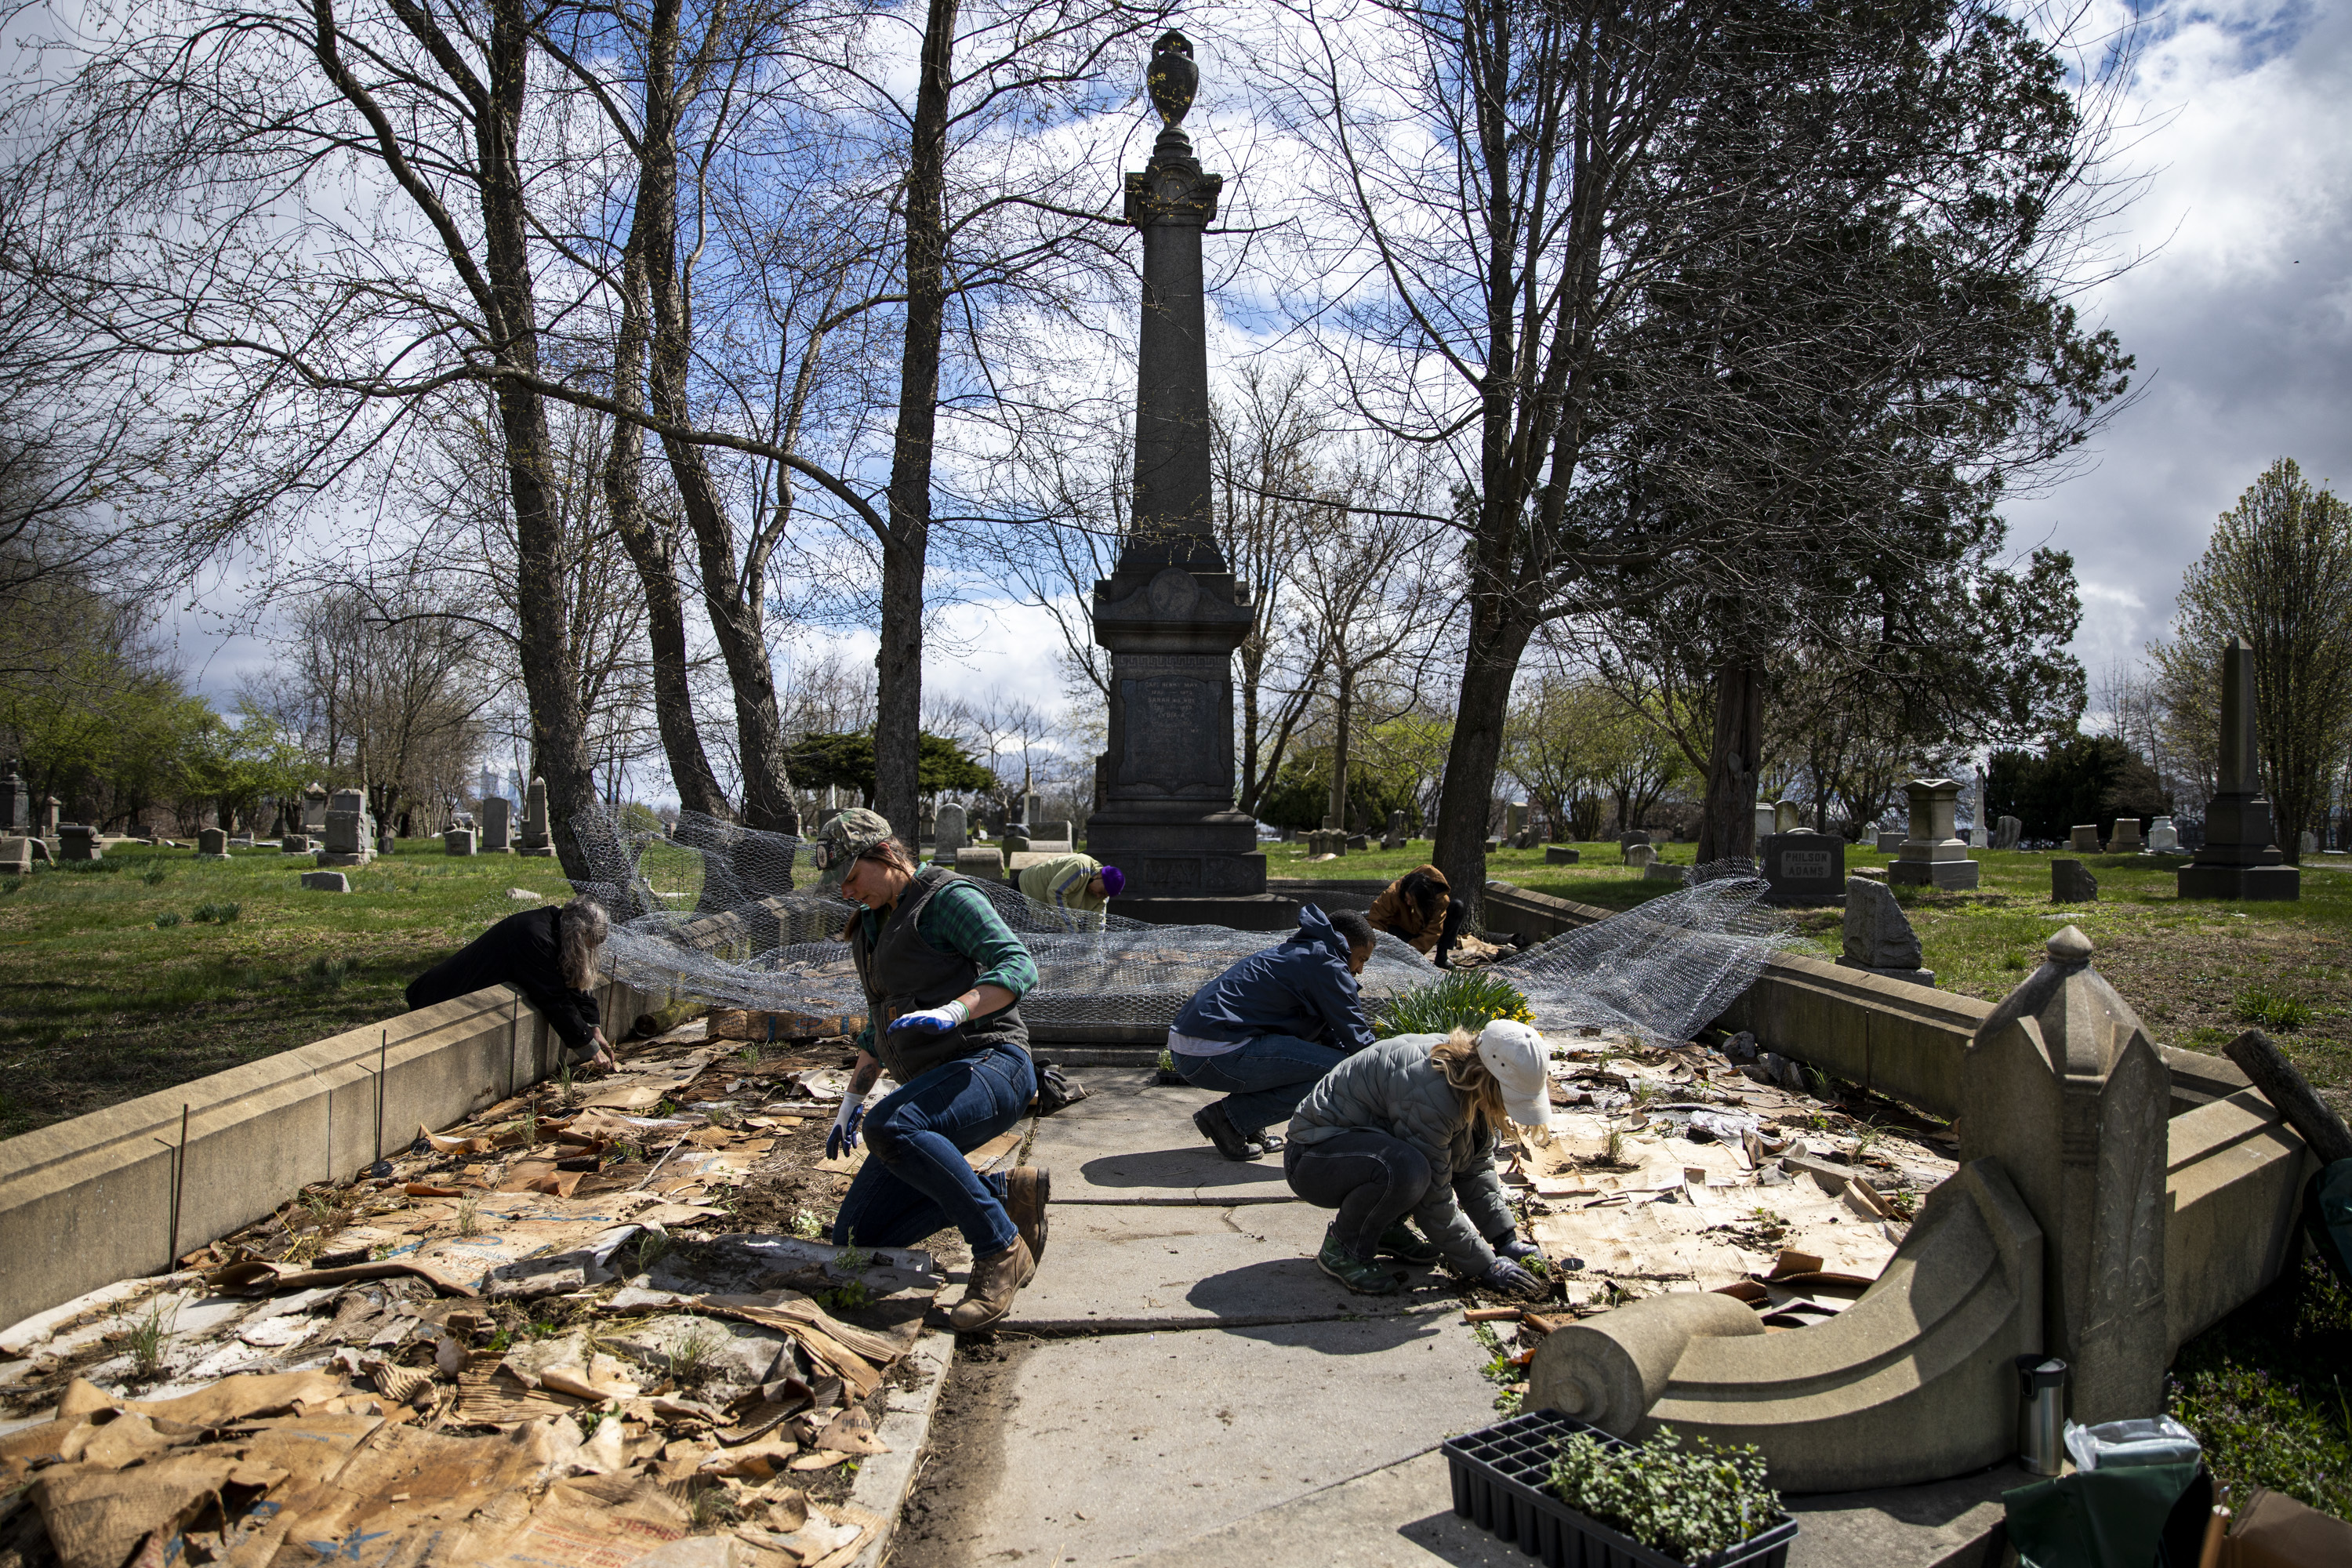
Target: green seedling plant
148	1337
154	875
327	973
167	920
1462	999
1500	1369
470	1216
853	1258
2261	1005
1688	1500
1167	1057
217	912
652	1246
690	1360
806	1226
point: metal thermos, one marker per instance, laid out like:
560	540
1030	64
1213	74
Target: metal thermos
2041	1415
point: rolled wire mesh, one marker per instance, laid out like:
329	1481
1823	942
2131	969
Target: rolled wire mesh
730	915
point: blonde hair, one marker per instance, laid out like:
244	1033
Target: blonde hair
1456	1057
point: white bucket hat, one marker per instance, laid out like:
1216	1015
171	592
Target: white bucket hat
1515	1053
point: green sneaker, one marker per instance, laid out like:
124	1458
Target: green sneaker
1406	1245
1364	1279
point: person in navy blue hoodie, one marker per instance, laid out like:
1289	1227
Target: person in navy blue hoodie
1266	1030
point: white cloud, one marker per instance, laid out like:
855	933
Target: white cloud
2241	322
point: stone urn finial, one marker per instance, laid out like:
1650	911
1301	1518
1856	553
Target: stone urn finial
1172	78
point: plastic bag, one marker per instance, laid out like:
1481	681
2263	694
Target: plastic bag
2157	1440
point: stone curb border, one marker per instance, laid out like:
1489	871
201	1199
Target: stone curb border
884	1480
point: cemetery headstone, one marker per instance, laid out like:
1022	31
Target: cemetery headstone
2063	1086
457	841
1802	867
1172	611
985	862
2308	844
386	843
314	807
2240	858
1878	935
536	840
1890	844
1980	839
212	843
295	844
1359	841
1643	853
948	834
1767	822
2007	832
1017	838
1786	816
1046	835
2070	882
1561	854
2163	837
1395	838
2085	838
15	804
78	841
350	830
326	882
1934	855
1660	871
1514	820
1626	841
49	823
16	856
497	825
2125	837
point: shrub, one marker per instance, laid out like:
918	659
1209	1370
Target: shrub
152	873
1688	1502
2261	1005
212	913
327	973
167	920
1462	999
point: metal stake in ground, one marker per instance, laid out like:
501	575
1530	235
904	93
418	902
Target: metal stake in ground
179	1185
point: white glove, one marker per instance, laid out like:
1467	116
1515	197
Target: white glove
843	1138
932	1021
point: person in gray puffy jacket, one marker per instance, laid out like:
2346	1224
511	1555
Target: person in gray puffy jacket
1409	1128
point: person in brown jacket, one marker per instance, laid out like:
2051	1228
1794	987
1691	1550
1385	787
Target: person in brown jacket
1419	908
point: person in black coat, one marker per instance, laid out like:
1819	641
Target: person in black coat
546	954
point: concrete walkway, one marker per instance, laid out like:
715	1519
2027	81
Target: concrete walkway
1180	1379
1182	1386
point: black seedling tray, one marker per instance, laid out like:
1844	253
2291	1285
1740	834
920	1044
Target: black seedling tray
1502	1477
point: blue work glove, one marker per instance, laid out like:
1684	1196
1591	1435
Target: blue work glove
931	1021
1516	1249
843	1138
1505	1277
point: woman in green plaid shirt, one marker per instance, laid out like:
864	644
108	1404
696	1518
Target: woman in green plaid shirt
943	977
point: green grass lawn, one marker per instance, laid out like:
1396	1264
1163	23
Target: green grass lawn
103	1005
2198	972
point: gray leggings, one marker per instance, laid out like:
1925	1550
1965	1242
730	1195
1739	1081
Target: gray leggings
1372	1179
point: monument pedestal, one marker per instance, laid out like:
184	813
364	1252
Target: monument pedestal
2240	858
1934	855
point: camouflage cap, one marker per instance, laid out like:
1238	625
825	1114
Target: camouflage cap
840	842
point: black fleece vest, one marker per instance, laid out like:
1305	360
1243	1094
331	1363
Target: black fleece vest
903	973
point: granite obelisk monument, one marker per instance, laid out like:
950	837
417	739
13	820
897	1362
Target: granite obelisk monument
1171	612
2241	857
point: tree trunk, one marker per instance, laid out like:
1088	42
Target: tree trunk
558	731
1726	828
898	665
681	736
733	598
1476	752
1343	704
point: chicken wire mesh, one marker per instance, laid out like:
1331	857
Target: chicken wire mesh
727	915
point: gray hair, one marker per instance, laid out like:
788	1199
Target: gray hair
581	928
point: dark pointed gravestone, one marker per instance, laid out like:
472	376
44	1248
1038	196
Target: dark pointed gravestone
1171	612
2240	858
2072	883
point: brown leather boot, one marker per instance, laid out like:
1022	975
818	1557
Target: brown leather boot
995	1281
1027	1191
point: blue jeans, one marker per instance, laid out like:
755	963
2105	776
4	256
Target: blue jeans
916	1180
1264	1082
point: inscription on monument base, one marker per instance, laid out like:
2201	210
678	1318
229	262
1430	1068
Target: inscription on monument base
1170	721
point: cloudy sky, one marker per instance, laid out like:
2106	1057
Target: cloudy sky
2238	312
2240	315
